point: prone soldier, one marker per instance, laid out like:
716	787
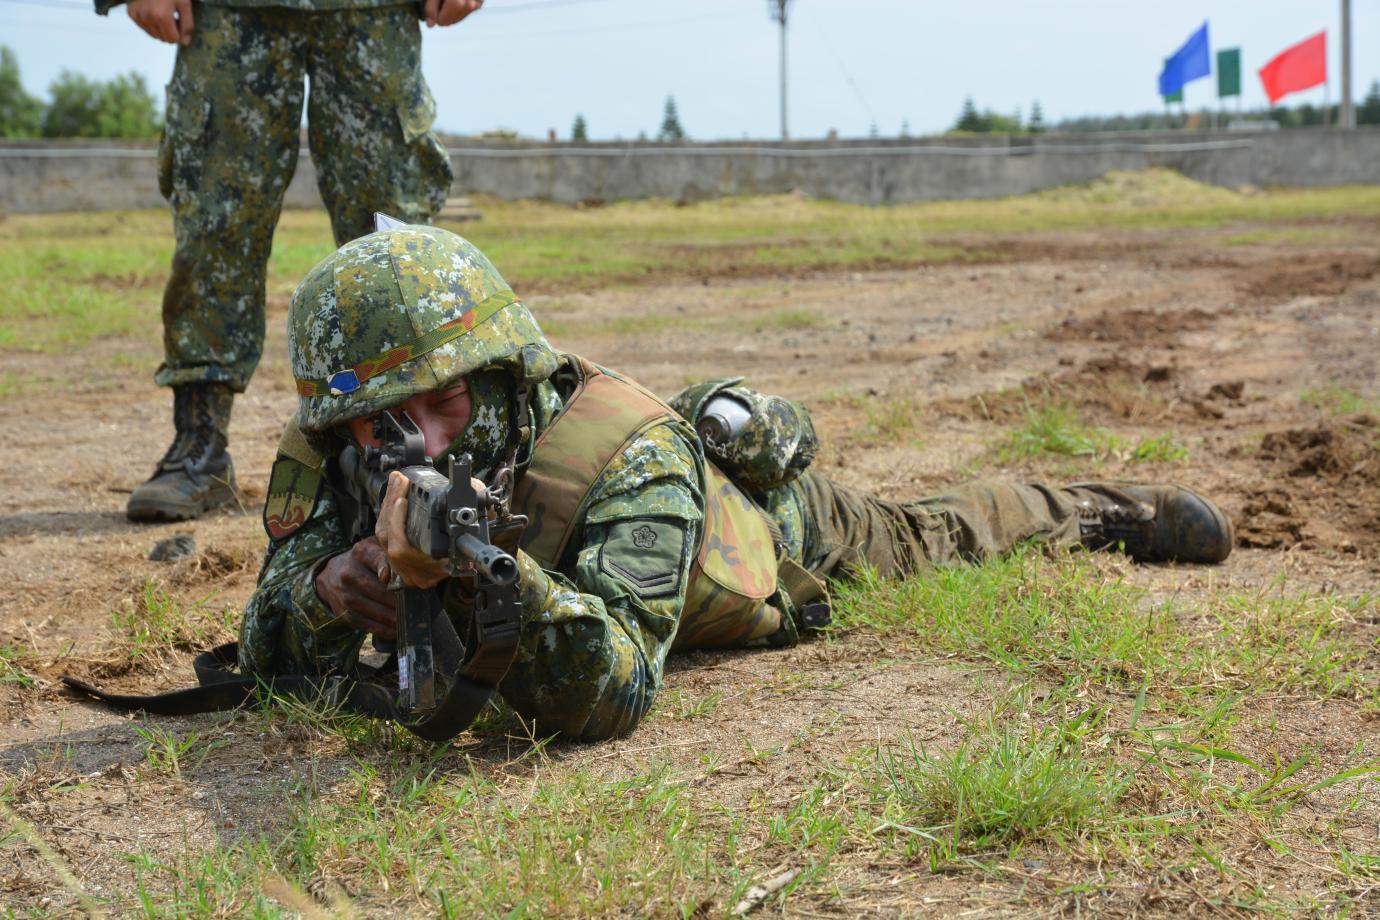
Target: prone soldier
636	543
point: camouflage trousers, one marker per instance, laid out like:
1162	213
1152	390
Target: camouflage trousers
229	148
833	530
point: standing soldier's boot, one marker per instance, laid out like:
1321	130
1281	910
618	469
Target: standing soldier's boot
196	474
1154	523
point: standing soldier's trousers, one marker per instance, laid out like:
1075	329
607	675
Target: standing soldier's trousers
229	147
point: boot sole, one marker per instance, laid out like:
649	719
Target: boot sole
154	510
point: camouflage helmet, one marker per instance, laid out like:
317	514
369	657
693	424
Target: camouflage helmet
399	312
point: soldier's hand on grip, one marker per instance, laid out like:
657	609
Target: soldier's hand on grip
416	568
354	585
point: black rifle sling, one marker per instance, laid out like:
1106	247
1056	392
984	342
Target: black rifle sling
477	665
220	688
476	668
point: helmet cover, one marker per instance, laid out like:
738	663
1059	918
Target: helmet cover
403	311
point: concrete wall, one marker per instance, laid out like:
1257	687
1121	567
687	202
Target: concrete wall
89	175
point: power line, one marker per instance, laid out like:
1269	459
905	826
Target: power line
56	4
533	5
67	27
617	27
847	77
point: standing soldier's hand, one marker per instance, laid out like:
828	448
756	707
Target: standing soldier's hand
168	20
449	12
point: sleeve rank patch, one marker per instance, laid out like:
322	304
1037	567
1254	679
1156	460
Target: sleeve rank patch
646	555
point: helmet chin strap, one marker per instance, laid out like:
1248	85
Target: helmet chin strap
519	427
497	463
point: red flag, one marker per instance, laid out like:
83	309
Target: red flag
1300	66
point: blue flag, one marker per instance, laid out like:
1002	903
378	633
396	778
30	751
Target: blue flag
1189	63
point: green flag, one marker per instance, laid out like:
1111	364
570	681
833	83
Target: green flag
1177	95
1228	73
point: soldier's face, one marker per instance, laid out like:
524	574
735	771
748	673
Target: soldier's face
442	416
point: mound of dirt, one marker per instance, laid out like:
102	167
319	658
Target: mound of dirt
1104	389
1321	488
1135	325
1323	451
1320	276
1141	188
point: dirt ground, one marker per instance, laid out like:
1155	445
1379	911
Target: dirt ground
1145	332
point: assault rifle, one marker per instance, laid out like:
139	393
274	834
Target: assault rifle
444	679
447	518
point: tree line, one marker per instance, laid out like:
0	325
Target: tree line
124	107
78	106
972	121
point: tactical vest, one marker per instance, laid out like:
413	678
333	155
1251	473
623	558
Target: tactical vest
734	577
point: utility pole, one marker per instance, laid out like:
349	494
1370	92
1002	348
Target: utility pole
1348	117
776	9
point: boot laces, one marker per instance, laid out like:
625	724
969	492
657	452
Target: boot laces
195	425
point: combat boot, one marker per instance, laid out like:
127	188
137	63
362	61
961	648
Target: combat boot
1154	523
196	473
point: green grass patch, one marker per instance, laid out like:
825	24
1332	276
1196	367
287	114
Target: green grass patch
880	420
167	752
1070	621
11	667
1339	400
1166	448
793	319
445	843
1056	429
75	278
154	625
891	420
1007	783
14	384
673	703
1144	776
1297	236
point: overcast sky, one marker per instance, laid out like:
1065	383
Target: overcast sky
531	65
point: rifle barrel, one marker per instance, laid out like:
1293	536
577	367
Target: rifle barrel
492	562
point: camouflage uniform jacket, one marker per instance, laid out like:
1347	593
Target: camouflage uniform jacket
594	644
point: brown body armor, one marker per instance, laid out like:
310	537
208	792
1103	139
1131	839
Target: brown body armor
732	596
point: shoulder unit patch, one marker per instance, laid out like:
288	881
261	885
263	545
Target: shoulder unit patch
293	491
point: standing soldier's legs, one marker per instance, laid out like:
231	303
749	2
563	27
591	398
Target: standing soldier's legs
833	530
369	120
228	151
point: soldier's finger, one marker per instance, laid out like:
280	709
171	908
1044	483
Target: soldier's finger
391	526
452	11
185	21
431	7
379	621
363	580
372	556
159	27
